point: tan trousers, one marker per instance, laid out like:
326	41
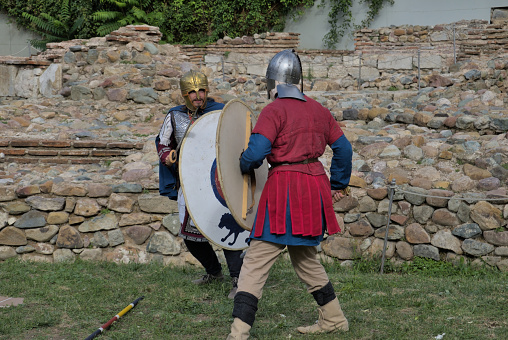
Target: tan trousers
261	256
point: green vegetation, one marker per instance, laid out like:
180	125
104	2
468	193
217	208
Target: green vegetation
184	22
430	267
53	20
61	27
201	22
105	211
309	76
341	18
126	12
418	301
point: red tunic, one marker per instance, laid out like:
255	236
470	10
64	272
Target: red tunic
297	130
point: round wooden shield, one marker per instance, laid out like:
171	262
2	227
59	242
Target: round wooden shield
203	196
241	192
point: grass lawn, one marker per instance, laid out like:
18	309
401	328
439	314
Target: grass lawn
418	301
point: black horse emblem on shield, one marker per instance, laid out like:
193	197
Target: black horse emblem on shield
227	221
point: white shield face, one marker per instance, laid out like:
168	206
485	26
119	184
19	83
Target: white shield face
201	189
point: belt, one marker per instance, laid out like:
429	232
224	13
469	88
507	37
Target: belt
305	161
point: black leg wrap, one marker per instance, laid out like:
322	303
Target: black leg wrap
245	307
324	295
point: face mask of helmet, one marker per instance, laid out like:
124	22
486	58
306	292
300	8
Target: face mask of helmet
285	67
193	81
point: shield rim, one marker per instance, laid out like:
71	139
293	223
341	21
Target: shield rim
191	215
264	167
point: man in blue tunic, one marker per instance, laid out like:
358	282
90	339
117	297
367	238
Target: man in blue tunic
296	205
194	88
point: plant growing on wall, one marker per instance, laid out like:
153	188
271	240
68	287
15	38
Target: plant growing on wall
62	27
119	13
205	21
246	17
183	22
341	9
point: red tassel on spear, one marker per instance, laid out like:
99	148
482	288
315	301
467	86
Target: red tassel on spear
116	317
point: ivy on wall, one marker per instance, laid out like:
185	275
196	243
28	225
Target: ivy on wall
185	22
341	18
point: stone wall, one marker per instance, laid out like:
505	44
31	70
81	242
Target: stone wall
270	42
79	171
33	151
57	221
384	59
463	39
114	213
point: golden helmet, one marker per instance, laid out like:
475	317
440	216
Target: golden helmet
193	81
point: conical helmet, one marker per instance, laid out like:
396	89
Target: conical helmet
285	67
193	81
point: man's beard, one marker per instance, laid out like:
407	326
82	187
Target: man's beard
197	103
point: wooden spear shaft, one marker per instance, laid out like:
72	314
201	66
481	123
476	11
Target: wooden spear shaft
116	317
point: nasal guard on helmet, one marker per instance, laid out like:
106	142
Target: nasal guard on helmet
193	81
285	67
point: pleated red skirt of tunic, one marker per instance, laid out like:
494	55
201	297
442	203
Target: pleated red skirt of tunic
309	200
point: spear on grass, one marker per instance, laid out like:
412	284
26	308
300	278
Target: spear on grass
116	317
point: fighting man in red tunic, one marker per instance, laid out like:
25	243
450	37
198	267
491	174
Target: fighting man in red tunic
296	205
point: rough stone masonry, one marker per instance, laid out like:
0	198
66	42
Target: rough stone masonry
78	167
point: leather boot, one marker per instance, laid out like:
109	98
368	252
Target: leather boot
330	319
208	278
239	330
